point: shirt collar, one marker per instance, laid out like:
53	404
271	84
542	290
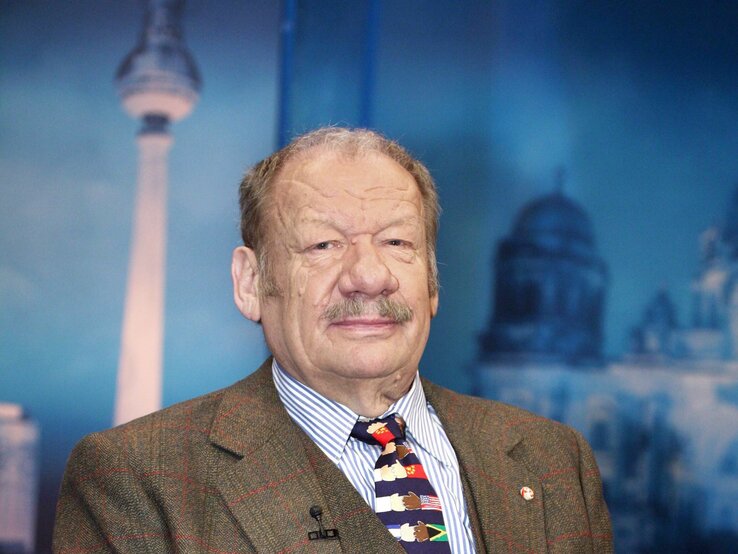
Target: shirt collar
326	422
329	423
422	428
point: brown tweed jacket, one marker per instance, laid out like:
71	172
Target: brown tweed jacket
230	472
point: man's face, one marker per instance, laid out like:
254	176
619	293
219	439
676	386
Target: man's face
346	240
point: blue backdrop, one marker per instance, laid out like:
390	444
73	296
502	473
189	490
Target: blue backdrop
635	101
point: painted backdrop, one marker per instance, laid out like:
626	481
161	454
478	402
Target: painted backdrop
585	154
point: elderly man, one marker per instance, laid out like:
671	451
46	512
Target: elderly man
335	444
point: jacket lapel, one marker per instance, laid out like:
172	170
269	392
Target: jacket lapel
492	458
282	474
270	490
359	527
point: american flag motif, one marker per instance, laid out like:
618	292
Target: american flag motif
428	502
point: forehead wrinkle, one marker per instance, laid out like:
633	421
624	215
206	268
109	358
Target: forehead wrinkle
303	170
393	187
294	184
346	225
386	191
301	182
408	209
286	228
330	221
299	199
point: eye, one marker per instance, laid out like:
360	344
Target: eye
323	245
397	242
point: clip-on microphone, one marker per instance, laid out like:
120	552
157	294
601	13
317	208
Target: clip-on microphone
316	512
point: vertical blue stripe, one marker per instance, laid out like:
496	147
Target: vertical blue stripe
371	48
286	70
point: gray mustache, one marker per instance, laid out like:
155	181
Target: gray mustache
354	307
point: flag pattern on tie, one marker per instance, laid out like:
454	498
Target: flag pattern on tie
406	501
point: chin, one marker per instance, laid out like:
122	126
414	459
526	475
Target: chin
357	371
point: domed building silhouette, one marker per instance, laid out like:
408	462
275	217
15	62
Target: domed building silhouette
712	331
661	418
550	285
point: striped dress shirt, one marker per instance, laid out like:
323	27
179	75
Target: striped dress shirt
329	424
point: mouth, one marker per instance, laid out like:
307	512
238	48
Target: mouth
364	322
367	326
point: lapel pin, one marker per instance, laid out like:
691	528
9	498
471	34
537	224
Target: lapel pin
527	493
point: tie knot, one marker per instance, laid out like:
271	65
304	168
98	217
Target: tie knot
380	431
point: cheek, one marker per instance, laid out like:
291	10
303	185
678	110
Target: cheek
412	275
312	290
301	278
404	257
302	282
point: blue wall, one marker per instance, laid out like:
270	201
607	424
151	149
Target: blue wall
636	101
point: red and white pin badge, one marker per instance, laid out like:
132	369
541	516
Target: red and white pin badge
527	493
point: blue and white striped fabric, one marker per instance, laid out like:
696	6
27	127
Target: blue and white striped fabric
329	425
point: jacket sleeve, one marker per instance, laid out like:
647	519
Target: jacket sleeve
104	506
599	517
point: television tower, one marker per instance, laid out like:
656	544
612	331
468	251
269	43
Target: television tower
158	82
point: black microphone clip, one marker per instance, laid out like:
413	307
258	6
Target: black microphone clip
316	512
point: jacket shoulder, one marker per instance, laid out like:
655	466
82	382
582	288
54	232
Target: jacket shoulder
503	413
175	432
193	416
128	486
544	438
554	456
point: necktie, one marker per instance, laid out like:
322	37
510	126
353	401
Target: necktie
406	501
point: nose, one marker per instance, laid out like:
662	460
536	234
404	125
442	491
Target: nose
365	272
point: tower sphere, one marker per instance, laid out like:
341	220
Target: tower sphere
159	76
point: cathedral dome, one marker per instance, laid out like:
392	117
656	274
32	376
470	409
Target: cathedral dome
549	288
555	221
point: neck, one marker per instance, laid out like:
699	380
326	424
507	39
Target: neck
366	397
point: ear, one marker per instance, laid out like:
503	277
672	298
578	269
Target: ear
434	305
245	274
